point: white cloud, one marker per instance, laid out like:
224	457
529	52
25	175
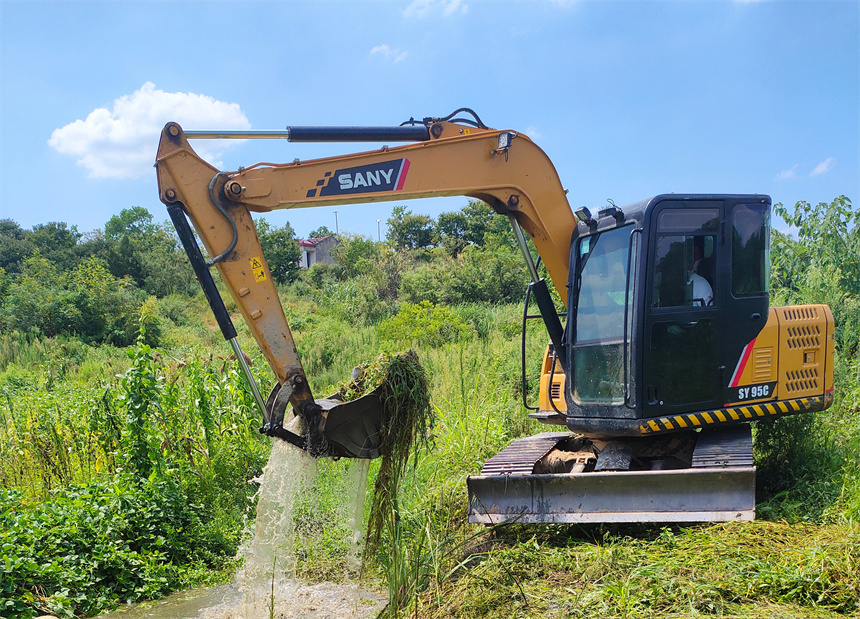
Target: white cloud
121	142
824	167
533	133
422	8
390	54
789	173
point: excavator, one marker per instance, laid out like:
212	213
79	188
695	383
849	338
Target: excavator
667	350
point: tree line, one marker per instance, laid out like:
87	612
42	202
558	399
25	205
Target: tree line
99	286
56	280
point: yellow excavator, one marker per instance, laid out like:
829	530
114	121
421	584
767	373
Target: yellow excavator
667	351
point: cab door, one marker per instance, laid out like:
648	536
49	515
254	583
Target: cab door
684	303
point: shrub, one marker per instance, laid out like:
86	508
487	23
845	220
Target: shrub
87	301
321	274
425	324
89	548
477	276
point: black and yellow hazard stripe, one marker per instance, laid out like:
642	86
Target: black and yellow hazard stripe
733	414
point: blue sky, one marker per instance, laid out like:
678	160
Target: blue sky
629	99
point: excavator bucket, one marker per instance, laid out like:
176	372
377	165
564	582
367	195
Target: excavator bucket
354	429
330	427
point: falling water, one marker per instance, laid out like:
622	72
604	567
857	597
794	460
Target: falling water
299	512
288	472
268	584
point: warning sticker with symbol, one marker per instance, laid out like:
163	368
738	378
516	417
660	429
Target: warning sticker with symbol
258	269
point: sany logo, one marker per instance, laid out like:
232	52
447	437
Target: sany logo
372	178
378	177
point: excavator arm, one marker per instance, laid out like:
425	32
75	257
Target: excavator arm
503	168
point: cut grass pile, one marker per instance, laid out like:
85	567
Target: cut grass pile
405	395
732	569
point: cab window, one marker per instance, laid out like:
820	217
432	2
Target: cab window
685	258
604	295
750	249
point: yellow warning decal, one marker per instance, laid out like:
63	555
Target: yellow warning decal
258	269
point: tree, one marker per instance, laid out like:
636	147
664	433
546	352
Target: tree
409	231
125	258
54	236
485	227
281	250
451	232
135	222
128	237
5	282
355	254
165	265
320	232
14	246
54	241
476	224
135	246
822	264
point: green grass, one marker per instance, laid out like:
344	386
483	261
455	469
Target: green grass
63	422
800	559
124	474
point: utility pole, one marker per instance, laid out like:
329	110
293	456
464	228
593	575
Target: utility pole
378	232
336	229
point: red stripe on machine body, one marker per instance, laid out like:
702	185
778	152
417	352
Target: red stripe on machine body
401	177
742	363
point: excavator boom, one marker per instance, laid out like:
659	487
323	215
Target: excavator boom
449	159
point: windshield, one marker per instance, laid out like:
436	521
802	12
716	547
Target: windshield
603	279
600	311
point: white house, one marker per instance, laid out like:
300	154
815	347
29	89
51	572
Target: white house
317	250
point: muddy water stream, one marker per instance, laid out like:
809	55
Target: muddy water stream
266	586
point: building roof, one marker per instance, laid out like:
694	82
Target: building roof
314	242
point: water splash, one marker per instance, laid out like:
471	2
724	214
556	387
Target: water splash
304	557
271	552
302	515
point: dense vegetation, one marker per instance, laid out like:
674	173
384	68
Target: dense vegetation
128	438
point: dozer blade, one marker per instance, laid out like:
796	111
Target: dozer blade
716	484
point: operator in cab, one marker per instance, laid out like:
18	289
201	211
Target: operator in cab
703	294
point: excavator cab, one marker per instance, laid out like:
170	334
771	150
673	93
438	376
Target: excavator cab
665	295
669	326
